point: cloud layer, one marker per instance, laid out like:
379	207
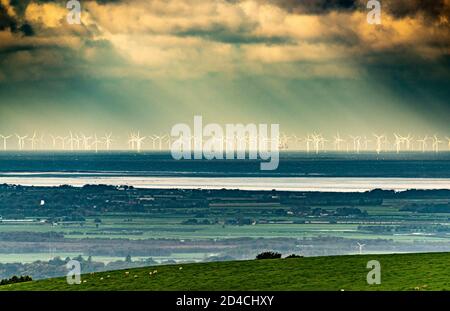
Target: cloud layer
315	55
186	38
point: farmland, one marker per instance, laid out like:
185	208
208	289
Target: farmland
107	224
398	272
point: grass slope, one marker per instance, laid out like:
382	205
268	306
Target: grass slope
398	272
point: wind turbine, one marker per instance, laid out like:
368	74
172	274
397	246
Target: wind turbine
71	141
360	247
153	139
21	141
297	141
95	143
337	142
385	143
356	143
322	141
33	141
284	141
168	141
42	141
448	142
131	141
108	140
408	139
378	139
5	138
86	140
77	141
139	140
436	143
308	140
366	143
398	142
63	141
423	143
316	139
53	141
160	139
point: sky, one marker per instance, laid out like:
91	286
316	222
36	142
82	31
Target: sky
310	65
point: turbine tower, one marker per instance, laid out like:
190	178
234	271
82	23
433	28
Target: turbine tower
317	140
63	141
436	143
308	141
398	142
21	141
366	143
356	143
71	141
41	141
168	141
108	140
139	141
33	141
95	143
337	142
379	141
132	141
5	138
53	141
86	140
360	247
153	139
408	139
423	143
160	139
77	141
298	141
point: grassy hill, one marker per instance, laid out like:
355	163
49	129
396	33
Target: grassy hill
398	272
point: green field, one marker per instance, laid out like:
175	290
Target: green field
398	272
163	226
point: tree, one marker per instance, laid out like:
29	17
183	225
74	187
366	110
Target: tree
294	256
268	255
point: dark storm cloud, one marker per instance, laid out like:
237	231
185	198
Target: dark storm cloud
316	6
6	21
14	23
431	9
422	84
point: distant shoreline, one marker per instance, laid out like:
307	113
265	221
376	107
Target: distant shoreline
310	184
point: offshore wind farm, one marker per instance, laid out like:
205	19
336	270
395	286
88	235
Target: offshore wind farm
309	143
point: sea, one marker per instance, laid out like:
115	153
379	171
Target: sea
297	171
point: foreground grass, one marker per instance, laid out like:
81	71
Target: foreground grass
398	272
